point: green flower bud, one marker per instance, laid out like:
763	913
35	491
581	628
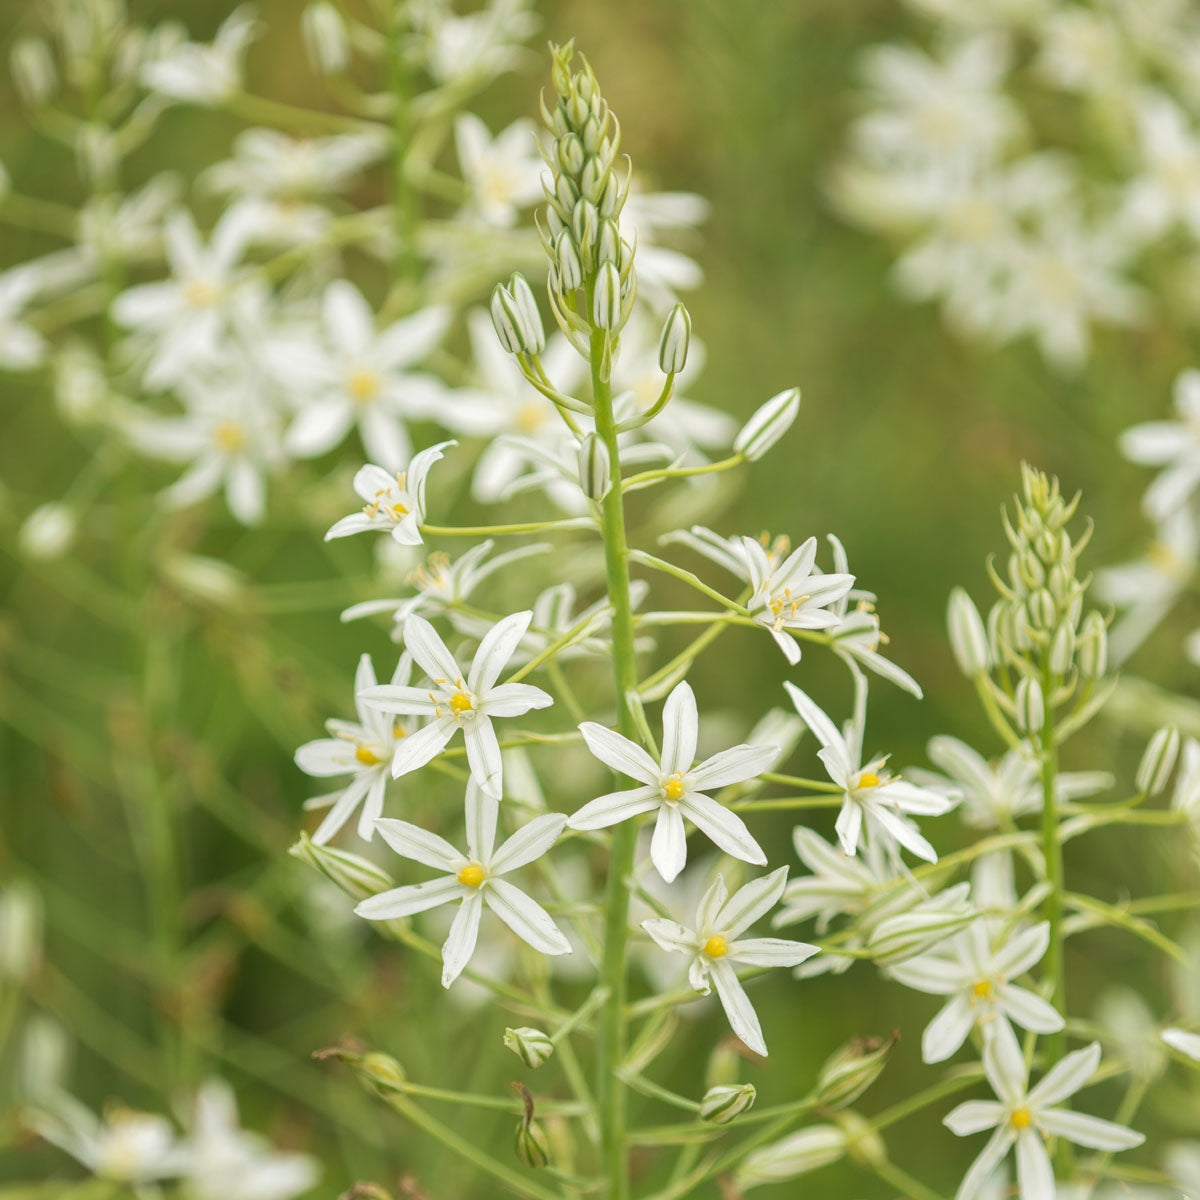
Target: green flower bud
726	1102
1043	612
585	224
531	1046
1092	650
608	242
612	200
570	152
566	258
1062	648
848	1072
533	335
20	931
796	1155
48	532
382	1070
676	337
357	877
768	425
606	300
593	179
1030	706
594	468
33	71
506	319
326	42
968	638
1158	761
532	1148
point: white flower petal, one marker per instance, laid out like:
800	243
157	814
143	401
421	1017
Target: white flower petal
981	1169
743	1020
974	1116
530	842
411	841
1092	1132
483	755
749	903
495	650
405	901
849	825
618	752
722	827
481	812
327	756
734	765
1029	1011
948	1030
429	651
668	846
372	809
681	728
616	806
343	806
1022	950
422	746
814	717
525	917
1035	1175
460	941
770	952
1066	1077
514	699
671	936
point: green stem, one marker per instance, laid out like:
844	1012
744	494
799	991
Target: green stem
610	1041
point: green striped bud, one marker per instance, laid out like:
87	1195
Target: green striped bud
595	466
358	877
531	1046
1158	761
566	259
1062	648
676	337
533	335
723	1104
326	41
768	425
968	638
798	1154
1092	649
606	299
570	153
851	1070
1030	706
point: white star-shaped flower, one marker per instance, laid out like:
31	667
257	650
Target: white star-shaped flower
976	976
714	947
363	749
870	792
791	594
455	701
1025	1116
395	503
473	879
674	787
1172	445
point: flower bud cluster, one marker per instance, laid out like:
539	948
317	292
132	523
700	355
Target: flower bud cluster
591	280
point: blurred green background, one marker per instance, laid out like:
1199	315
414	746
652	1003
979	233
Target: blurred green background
131	715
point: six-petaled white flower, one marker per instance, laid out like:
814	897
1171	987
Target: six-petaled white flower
792	594
395	503
870	792
363	749
473	880
674	787
1025	1116
714	947
454	701
976	976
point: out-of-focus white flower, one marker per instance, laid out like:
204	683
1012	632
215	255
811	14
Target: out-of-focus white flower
674	787
228	435
662	271
472	879
48	531
21	347
455	702
1083	51
183	316
880	798
395	503
205	73
1186	796
363	749
714	947
504	173
224	1162
994	794
1168	189
1024	1117
1147	589
839	885
476	47
976	975
1172	445
791	594
125	1147
359	376
934	110
21	920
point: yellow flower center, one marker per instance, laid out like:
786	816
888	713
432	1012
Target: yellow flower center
868	779
716	946
460	703
367	756
1022	1118
983	990
199	294
472	875
229	436
363	386
530	417
673	789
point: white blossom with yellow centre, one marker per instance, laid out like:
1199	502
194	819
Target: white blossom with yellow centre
1024	1117
674	788
395	504
715	947
472	880
976	975
504	173
870	793
363	749
455	701
1172	445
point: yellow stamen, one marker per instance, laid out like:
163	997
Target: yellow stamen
983	990
1022	1118
199	294
530	417
868	779
673	789
367	756
363	386
229	436
716	946
472	875
460	703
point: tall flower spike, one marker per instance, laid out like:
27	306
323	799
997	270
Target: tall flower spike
473	879
455	701
714	946
674	787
